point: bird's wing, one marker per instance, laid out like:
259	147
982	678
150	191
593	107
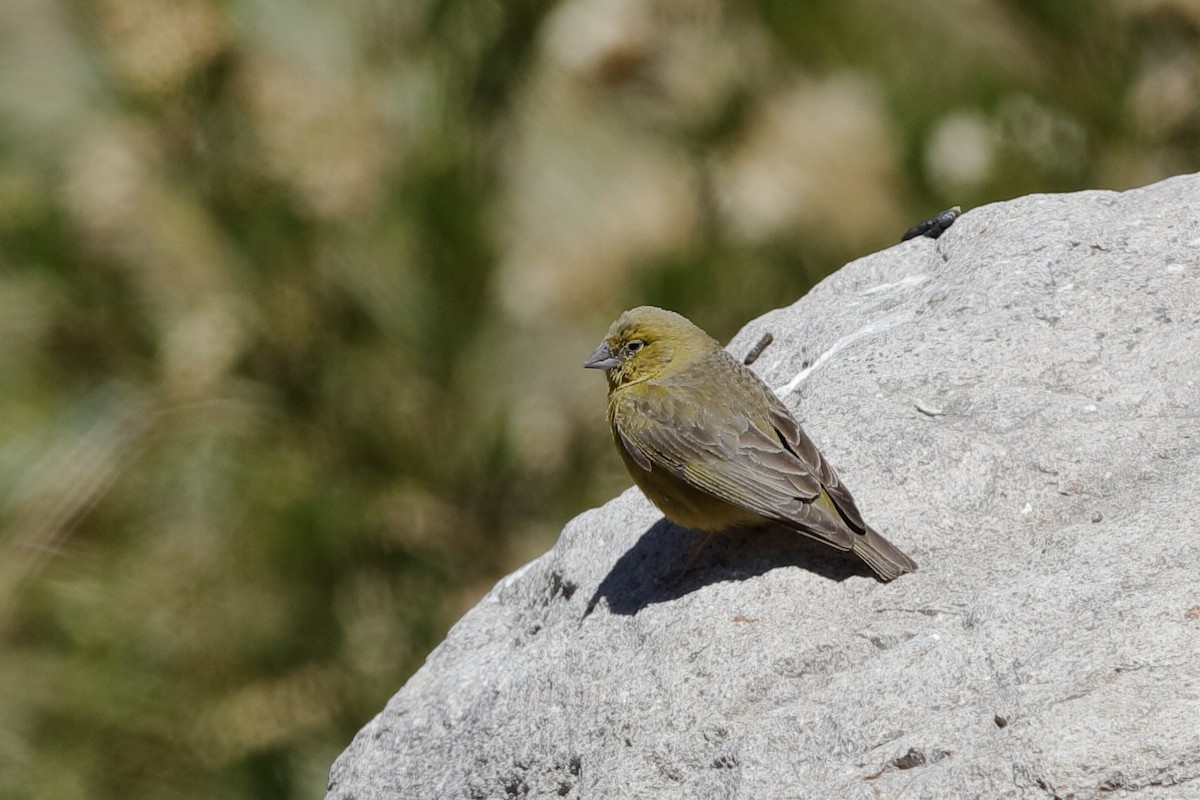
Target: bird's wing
798	443
719	450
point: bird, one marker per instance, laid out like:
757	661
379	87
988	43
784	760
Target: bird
715	449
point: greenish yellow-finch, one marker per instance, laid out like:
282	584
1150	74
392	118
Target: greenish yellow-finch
713	447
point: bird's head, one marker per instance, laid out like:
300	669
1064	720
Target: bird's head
647	342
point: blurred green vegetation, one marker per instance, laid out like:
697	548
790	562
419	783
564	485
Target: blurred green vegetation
293	299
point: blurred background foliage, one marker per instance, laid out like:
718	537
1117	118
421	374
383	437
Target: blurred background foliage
294	297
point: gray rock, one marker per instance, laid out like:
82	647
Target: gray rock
1016	405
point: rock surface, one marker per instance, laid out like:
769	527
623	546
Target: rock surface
1017	406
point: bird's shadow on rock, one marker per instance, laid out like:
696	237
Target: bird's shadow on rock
656	568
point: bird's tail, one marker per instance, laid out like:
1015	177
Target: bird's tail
883	557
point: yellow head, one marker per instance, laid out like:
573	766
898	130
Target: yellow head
646	342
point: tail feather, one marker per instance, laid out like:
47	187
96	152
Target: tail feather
884	558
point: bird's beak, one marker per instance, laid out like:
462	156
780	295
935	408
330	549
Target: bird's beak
601	358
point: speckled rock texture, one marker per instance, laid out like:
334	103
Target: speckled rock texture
1017	406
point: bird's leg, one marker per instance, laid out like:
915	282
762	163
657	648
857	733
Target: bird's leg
676	575
702	538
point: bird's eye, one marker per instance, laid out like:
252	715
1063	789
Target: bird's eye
635	345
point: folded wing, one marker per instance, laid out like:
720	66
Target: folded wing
770	468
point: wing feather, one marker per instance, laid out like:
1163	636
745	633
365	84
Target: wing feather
804	449
717	448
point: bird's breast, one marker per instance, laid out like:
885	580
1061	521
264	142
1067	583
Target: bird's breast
679	500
